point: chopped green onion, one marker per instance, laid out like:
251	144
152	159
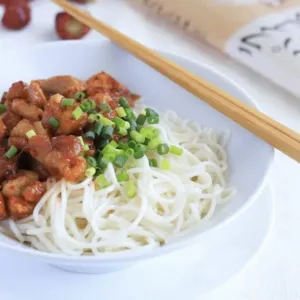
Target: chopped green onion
67	102
120	122
127	125
81	140
98	128
90	135
102	144
120	160
153	162
11	152
91	118
147	132
140	147
165	164
138	137
176	150
150	112
122	176
153	119
101	181
110	149
30	134
132	144
123	146
105	107
102	163
141	119
91	171
91	161
122	131
114	144
107	132
121	112
153	143
162	149
79	95
92	103
130	189
109	156
2	108
123	102
129	151
86	147
104	121
138	154
132	124
85	105
54	122
130	114
139	127
77	113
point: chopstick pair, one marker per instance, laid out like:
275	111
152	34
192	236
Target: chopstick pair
279	136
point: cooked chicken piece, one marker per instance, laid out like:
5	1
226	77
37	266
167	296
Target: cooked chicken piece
64	85
10	120
3	212
34	191
14	187
19	208
67	123
36	95
56	98
67	145
26	110
40	129
22	128
19	142
52	163
39	146
31	175
73	169
3	130
17	90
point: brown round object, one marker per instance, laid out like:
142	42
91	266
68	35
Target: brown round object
15	16
68	28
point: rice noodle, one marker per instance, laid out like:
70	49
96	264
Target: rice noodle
77	218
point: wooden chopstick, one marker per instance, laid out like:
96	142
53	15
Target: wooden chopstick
272	132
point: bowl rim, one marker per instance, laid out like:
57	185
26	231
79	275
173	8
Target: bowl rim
140	254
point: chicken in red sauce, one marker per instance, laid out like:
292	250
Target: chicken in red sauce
46	130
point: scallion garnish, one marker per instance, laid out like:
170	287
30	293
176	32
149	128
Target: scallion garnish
77	113
121	112
132	144
120	122
120	160
91	118
67	102
153	143
140	147
30	134
98	128
129	152
54	122
130	189
91	171
138	154
91	161
138	137
105	107
101	181
150	112
141	119
102	163
122	176
165	164
92	103
153	162
102	143
89	135
162	149
176	150
85	105
130	114
122	131
153	119
109	156
107	132
123	102
2	108
11	152
79	95
114	144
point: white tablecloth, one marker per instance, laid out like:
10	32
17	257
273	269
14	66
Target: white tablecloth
275	272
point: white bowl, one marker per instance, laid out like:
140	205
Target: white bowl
249	157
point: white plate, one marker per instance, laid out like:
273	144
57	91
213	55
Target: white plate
180	275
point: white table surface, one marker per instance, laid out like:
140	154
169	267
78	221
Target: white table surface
275	273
